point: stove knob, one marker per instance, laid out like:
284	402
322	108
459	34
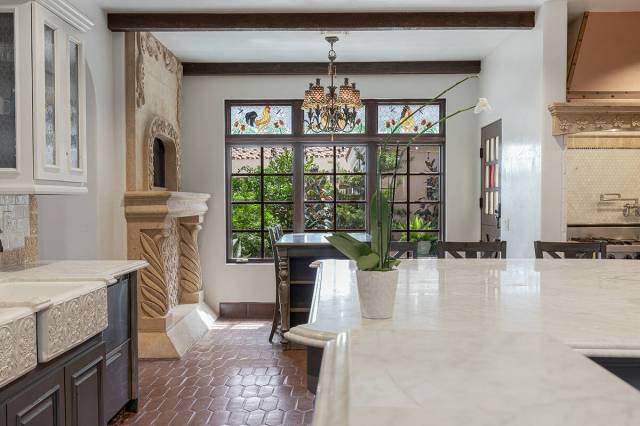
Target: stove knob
611	256
628	256
637	257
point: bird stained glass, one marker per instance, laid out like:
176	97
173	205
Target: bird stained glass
399	117
260	120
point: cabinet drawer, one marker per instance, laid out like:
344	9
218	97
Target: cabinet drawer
118	381
117	331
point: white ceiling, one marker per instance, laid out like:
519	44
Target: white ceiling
309	46
316	5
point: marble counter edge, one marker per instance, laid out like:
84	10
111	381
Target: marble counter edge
110	276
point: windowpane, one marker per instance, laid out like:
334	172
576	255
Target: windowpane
400	217
424	188
245	245
260	120
398	118
278	214
50	96
401	187
245	217
318	159
388	159
351	159
318	188
350	216
278	188
311	123
424	159
318	216
245	188
245	159
424	217
351	187
278	159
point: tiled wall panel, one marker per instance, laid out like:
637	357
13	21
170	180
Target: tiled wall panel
18	229
591	172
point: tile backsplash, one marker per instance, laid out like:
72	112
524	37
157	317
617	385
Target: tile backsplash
591	172
18	229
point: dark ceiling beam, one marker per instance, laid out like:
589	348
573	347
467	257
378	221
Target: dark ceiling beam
128	22
320	68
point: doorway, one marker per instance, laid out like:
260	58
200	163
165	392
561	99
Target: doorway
490	193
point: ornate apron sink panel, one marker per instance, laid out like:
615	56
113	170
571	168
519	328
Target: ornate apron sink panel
18	352
67	313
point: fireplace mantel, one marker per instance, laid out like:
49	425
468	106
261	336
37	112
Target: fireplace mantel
159	205
594	116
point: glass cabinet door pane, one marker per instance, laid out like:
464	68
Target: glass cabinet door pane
50	95
74	99
7	92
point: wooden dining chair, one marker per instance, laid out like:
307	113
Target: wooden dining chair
275	233
400	249
473	250
570	250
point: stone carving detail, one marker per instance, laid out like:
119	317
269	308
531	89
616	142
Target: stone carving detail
575	117
164	130
149	46
18	353
74	321
190	270
169	252
153	285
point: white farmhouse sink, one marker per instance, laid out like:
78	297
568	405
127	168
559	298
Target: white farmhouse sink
18	352
68	313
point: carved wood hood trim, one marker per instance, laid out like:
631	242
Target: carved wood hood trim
160	205
579	117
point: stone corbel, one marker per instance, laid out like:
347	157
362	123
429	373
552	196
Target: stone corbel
190	269
154	291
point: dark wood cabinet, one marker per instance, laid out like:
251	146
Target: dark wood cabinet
41	404
84	380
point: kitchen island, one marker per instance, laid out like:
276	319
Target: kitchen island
591	306
75	357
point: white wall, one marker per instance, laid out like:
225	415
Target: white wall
521	77
203	157
93	226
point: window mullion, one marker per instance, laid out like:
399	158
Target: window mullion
298	187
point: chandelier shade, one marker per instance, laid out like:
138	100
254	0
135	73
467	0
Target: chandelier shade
333	110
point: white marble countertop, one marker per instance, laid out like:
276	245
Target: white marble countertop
71	270
592	306
397	378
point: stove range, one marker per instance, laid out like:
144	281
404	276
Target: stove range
623	242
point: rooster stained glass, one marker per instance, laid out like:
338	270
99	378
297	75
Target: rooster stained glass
260	120
391	116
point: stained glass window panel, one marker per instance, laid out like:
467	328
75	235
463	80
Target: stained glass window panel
312	127
260	120
398	117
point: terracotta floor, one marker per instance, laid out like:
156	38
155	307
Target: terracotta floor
233	376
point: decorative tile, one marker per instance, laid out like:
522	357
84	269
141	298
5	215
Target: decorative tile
232	376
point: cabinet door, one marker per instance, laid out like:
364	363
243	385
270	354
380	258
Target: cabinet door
42	404
85	380
15	63
58	99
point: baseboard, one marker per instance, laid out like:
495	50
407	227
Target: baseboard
246	310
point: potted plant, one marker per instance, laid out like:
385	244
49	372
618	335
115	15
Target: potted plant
377	272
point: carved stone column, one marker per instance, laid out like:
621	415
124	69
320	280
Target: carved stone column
154	290
190	270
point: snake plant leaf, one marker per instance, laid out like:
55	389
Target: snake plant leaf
368	262
345	246
380	230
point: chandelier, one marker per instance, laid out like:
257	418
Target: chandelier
334	111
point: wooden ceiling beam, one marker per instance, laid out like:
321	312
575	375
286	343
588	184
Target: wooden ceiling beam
131	22
320	68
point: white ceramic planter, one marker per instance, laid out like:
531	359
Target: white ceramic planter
377	293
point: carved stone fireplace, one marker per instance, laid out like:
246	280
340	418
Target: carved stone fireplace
162	222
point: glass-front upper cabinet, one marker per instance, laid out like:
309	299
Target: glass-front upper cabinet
8	83
58	110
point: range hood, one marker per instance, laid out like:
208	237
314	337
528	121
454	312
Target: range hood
603	81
